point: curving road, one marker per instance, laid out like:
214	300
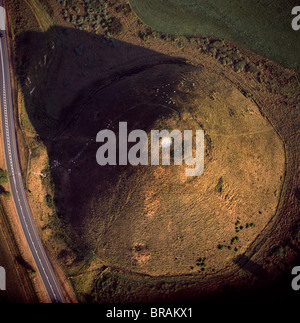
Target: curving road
16	182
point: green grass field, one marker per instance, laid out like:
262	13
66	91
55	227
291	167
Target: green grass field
261	26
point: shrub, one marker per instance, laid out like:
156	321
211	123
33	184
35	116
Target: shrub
96	26
3	176
6	194
49	201
116	26
234	240
219	186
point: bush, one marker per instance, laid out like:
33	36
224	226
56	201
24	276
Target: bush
49	201
3	176
219	186
234	240
6	194
116	26
142	35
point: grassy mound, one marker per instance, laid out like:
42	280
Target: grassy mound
154	219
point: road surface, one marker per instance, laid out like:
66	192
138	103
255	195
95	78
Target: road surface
16	182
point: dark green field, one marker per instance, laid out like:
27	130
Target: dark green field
261	26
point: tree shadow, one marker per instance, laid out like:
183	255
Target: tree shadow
21	261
